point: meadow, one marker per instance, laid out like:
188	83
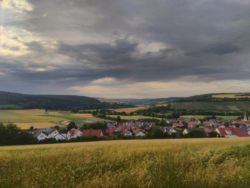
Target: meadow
176	163
39	119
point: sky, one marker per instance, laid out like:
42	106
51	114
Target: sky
125	48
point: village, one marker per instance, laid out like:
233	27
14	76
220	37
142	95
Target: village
177	128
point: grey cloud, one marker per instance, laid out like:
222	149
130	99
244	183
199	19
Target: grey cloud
205	40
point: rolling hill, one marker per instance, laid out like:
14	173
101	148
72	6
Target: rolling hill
218	103
214	102
10	100
219	97
205	97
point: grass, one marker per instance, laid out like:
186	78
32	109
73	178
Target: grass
138	163
39	119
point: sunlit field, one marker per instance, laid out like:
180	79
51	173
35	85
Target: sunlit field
131	109
39	118
133	117
138	163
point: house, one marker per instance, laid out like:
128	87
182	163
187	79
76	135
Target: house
111	124
211	123
92	133
170	130
52	133
110	131
240	133
60	137
177	124
185	131
128	133
40	136
245	129
224	132
140	134
74	133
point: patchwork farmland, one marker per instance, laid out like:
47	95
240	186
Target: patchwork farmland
41	119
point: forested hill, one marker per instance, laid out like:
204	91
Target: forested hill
219	97
58	102
212	97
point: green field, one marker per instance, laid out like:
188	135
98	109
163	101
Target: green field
200	117
39	119
231	106
139	163
230	95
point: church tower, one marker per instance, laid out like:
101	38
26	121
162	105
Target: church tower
245	117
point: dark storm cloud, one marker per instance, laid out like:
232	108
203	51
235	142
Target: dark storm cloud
211	63
222	49
216	49
205	40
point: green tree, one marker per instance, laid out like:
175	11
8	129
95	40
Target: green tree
118	119
71	125
155	133
196	133
12	135
213	134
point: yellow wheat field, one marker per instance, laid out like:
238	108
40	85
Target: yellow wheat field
135	163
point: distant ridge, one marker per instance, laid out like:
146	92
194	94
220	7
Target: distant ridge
202	97
148	101
219	97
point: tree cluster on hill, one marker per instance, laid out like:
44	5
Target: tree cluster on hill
97	125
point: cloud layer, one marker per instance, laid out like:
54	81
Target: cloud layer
130	48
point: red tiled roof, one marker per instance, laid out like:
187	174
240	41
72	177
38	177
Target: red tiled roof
92	133
110	131
239	132
233	131
73	131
